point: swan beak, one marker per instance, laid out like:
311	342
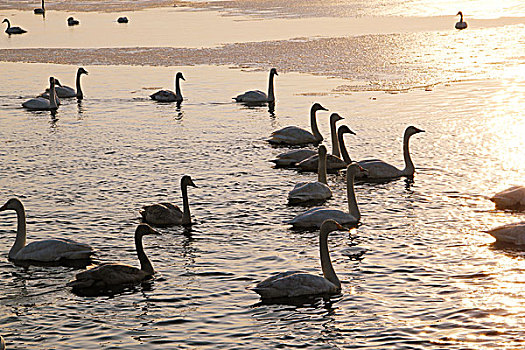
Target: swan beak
340	227
321	108
420	130
351	132
3	207
362	169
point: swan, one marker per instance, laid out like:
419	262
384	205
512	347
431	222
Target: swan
290	158
313	191
165	214
333	163
378	169
293	135
41	103
461	24
13	30
169	96
41	10
2	343
512	198
257	96
63	91
296	283
71	21
43	251
315	216
510	233
115	274
122	20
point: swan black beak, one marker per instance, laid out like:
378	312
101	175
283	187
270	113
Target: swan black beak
351	132
3	207
420	130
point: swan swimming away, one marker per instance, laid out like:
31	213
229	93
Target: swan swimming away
114	274
13	30
44	104
461	24
313	191
315	216
257	96
293	135
41	10
296	283
63	91
170	96
43	251
166	214
122	20
512	198
71	21
511	233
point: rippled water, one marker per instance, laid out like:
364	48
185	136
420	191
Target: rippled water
418	273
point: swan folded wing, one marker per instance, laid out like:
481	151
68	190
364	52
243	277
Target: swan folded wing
293	157
378	169
511	233
164	96
54	250
65	91
293	284
309	191
161	214
316	216
332	163
292	135
37	103
511	198
107	275
252	96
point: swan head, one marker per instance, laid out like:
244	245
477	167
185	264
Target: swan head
322	150
334	117
317	107
411	130
459	13
144	230
179	76
82	71
12	204
5	20
70	19
330	225
354	168
52	81
273	71
343	129
187	181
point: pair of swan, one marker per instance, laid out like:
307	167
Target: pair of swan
314	217
41	10
314	191
460	24
296	283
42	251
42	103
512	198
168	95
63	91
71	21
293	135
257	96
13	30
166	214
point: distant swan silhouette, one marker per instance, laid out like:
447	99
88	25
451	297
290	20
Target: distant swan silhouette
511	233
168	95
114	274
13	30
296	283
41	10
461	24
41	103
71	21
165	214
512	198
43	251
257	96
63	91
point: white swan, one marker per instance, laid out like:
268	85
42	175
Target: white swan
313	191
510	233
257	96
115	274
461	24
44	104
333	163
43	251
378	169
63	91
165	214
41	10
315	216
13	30
168	95
71	21
296	283
290	158
293	135
512	198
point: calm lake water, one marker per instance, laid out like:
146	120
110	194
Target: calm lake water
419	273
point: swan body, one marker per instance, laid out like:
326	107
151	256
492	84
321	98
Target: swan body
170	96
72	22
115	274
46	250
296	283
510	233
13	30
41	10
461	24
316	216
293	135
44	104
122	20
314	191
257	96
512	198
166	214
378	169
63	91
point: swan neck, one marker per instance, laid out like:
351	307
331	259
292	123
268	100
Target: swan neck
178	93
186	216
353	209
344	152
145	264
52	96
271	96
461	17
335	143
8	23
326	262
315	129
321	169
20	241
42	4
409	166
80	95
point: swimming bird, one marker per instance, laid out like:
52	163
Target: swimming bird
257	96
296	283
293	135
117	275
511	233
43	251
13	30
41	103
313	191
166	214
314	217
41	10
169	96
71	21
64	91
378	169
512	198
122	20
461	24
290	158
